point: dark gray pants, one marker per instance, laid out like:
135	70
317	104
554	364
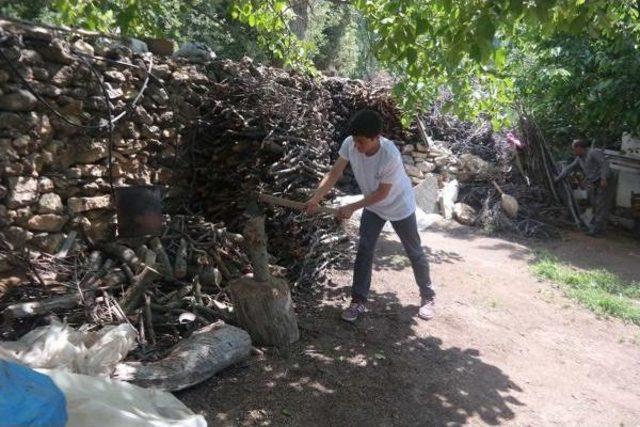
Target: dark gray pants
601	200
407	229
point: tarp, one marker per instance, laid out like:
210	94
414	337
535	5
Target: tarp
29	398
103	402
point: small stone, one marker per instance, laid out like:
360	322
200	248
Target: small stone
426	167
115	76
413	171
41	74
22	143
22	100
44	128
441	161
63	76
407	159
30	57
49	243
471	168
46	222
164	47
160	96
13	169
407	148
45	185
93	171
17	236
74	173
83	47
3	216
99	227
23	191
5	76
10	120
50	203
84	204
464	214
40	34
84	151
422	148
151	132
7	152
418	155
57	52
143	116
166	117
3	191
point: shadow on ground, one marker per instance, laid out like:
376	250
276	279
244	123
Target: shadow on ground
341	374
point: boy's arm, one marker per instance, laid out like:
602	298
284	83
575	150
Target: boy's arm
326	184
380	194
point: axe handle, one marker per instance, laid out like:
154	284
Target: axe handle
495	184
278	201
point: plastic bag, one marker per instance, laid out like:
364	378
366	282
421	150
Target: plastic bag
93	401
29	399
60	346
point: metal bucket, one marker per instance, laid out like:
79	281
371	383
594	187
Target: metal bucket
139	210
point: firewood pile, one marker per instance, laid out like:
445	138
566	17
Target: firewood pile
165	287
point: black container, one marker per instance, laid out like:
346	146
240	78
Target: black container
139	209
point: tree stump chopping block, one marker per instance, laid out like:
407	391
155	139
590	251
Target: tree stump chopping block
262	303
265	310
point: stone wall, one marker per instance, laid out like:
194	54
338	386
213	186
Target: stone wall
56	177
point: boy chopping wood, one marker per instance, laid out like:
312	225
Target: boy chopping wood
388	196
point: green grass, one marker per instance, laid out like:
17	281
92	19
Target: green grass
601	291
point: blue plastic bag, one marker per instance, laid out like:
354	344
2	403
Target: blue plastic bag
28	398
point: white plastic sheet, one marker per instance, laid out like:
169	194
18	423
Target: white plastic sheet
93	401
59	346
423	219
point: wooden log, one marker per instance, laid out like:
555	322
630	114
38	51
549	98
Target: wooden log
124	254
133	296
42	307
265	310
180	269
165	266
193	360
256	244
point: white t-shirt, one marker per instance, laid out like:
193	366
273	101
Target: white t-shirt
386	167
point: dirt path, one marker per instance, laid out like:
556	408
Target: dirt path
504	349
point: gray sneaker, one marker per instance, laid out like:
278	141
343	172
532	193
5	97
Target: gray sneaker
427	308
351	314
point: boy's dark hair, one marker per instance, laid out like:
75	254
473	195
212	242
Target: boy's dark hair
366	123
579	142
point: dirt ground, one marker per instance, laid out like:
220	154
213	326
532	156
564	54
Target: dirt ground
505	349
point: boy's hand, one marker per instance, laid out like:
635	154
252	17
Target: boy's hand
345	212
312	205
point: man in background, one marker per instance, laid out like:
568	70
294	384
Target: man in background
598	180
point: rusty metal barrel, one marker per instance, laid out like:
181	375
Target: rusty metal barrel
139	210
